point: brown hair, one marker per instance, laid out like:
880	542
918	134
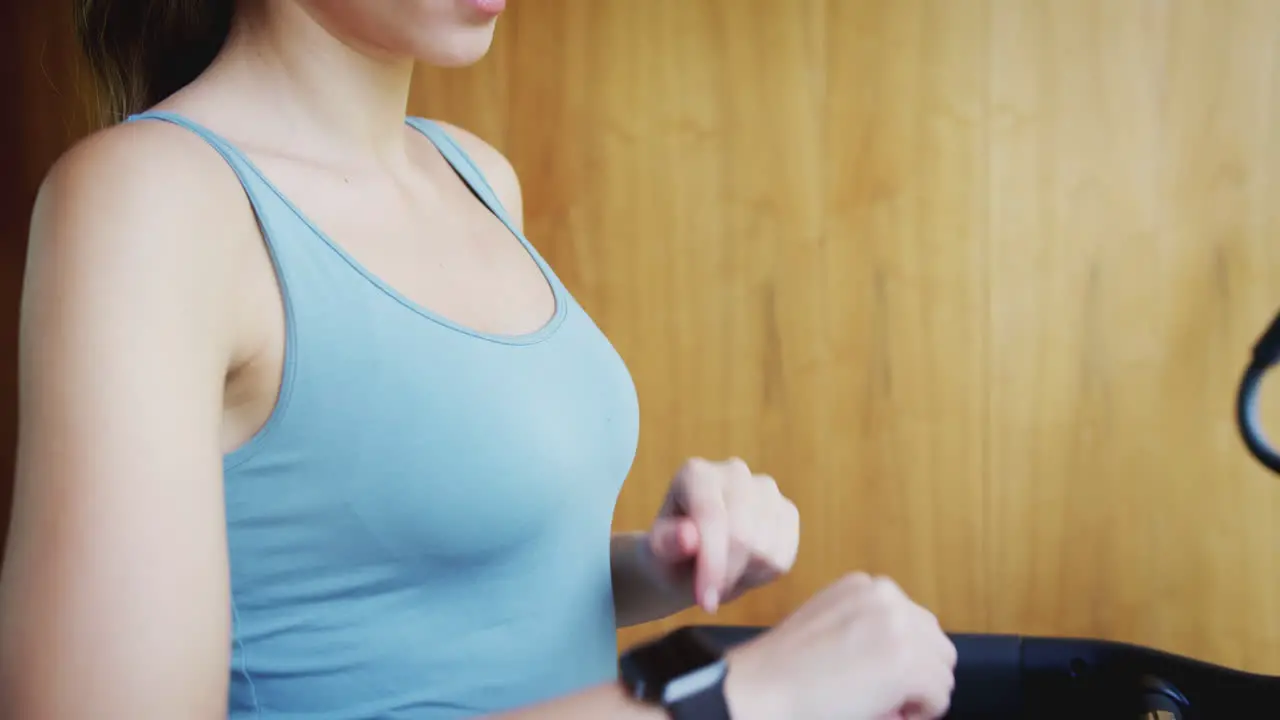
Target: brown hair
142	51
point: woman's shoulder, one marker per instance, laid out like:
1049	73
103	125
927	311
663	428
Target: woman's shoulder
140	172
147	188
140	214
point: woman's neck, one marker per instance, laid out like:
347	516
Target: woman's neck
328	92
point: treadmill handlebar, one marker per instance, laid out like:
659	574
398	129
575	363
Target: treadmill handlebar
1011	677
1266	355
1266	350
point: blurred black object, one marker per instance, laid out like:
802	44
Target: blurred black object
1266	354
1014	677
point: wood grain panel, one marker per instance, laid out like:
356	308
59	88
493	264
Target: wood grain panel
974	279
47	109
1132	155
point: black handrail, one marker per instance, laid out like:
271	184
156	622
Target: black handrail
1013	677
1266	354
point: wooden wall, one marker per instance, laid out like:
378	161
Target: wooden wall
973	278
45	109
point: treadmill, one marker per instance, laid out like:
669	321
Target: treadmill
1016	677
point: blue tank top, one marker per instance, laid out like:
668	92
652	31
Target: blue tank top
421	528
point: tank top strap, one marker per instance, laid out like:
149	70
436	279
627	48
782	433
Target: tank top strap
462	164
256	187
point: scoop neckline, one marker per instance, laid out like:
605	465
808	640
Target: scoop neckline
532	337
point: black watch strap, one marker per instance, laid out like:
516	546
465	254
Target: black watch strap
709	704
682	672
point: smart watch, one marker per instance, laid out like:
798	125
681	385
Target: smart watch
683	671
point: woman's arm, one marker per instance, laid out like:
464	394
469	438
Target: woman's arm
749	698
642	592
114	591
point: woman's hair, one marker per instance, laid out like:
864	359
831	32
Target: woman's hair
142	51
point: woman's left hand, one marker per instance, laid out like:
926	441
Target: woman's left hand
724	530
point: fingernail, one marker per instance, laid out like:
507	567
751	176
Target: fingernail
711	600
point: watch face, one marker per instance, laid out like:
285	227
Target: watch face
649	669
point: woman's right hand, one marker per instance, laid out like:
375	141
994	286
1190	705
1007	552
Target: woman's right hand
858	650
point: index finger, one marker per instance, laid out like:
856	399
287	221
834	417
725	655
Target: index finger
705	505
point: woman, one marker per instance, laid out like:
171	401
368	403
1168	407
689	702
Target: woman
308	429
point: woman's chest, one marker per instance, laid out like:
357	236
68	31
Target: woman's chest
402	443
